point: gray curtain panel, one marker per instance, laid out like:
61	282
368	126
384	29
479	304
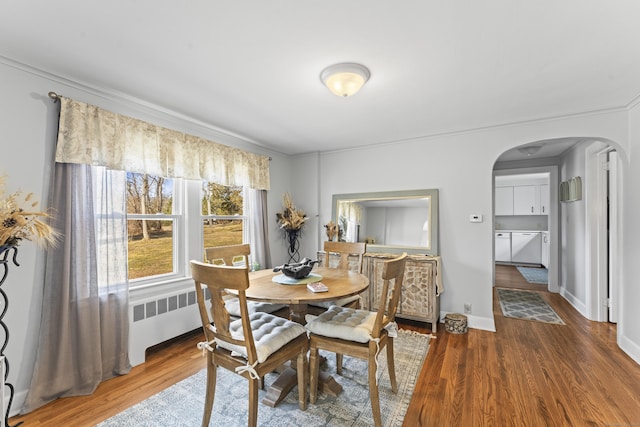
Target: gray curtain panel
84	325
255	202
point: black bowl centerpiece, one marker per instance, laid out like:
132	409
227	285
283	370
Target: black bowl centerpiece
297	270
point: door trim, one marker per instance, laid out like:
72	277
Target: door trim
597	257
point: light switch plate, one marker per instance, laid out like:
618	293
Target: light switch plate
475	218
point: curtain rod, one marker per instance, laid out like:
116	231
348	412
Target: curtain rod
55	97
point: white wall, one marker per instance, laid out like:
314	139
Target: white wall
629	324
573	229
303	186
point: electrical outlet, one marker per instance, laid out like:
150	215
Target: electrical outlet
467	308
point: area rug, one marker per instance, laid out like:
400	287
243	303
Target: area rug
534	275
182	404
527	305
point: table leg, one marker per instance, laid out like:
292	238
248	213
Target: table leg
281	386
288	377
297	312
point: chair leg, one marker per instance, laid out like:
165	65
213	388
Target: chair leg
339	363
373	390
210	392
391	365
314	363
303	369
254	385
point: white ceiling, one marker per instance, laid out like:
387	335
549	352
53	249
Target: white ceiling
252	67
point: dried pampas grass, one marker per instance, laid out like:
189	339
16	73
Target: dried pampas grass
19	220
331	229
291	219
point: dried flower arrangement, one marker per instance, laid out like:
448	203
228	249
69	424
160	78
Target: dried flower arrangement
332	230
16	223
291	219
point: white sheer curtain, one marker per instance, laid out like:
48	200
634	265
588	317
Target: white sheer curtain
84	324
352	214
255	207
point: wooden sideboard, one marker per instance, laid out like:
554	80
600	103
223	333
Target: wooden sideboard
421	285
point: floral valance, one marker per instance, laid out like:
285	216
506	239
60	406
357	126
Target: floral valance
93	136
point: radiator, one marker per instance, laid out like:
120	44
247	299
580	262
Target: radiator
159	318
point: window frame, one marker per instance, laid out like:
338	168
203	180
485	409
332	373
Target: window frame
179	233
243	217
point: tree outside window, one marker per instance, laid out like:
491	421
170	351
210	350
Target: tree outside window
151	225
222	213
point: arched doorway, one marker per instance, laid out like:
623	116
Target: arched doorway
585	249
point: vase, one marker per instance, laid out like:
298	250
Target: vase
293	242
5	251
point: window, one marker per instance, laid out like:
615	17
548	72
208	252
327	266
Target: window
154	223
222	215
157	228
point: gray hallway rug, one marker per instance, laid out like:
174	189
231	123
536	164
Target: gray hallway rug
182	404
535	275
526	305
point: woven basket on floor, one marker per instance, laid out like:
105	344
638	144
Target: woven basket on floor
455	323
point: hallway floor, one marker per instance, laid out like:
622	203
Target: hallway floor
508	276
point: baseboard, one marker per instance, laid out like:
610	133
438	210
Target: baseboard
575	302
631	348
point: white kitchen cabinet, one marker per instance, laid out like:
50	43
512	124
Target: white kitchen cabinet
526	200
544	199
544	253
504	201
526	247
503	247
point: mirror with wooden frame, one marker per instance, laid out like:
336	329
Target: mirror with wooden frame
391	221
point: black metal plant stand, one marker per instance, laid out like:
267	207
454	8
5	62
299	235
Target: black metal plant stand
4	303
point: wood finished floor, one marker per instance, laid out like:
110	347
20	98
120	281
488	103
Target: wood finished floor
524	374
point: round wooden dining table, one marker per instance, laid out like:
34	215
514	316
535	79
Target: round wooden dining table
262	287
341	284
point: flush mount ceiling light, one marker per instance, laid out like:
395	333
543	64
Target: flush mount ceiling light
345	79
530	149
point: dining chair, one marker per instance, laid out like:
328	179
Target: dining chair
251	346
238	255
345	250
360	333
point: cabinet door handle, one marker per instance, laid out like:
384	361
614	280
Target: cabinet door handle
543	209
531	209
